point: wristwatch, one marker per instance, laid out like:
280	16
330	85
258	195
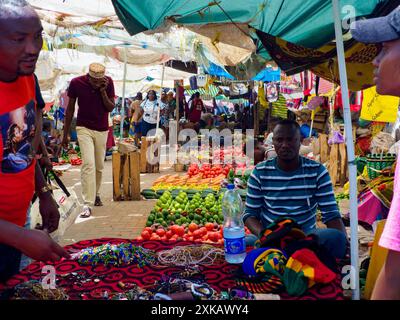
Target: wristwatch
44	189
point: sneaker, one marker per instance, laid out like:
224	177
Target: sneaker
97	202
86	212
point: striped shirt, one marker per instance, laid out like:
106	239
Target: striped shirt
273	193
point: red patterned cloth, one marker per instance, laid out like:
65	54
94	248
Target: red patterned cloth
219	276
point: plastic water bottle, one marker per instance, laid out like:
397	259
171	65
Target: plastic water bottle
234	234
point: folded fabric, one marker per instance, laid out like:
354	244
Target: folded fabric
303	270
276	231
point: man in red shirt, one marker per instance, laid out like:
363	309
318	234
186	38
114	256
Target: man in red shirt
95	94
195	108
20	44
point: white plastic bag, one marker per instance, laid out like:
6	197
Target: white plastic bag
68	208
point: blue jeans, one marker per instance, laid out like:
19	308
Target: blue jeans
146	127
333	240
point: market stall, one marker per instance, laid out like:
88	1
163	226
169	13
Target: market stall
150	272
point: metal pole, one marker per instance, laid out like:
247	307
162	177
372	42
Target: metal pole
350	150
123	96
177	106
161	89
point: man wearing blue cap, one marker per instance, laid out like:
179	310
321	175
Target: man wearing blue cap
386	30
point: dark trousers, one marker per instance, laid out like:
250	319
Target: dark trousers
10	259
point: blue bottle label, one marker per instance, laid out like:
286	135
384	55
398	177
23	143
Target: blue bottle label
235	246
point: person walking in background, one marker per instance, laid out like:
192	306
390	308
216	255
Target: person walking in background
386	30
149	110
135	129
95	95
196	106
164	114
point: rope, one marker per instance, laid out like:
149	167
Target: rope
190	255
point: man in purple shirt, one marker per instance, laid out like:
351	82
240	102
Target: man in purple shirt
95	94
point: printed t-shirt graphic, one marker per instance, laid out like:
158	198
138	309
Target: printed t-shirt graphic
17	130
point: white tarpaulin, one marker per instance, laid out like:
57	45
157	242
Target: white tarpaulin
65	64
221	44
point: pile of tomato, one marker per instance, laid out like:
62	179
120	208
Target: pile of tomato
209	171
209	233
76	161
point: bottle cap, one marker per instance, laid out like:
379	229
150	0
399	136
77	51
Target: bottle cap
230	186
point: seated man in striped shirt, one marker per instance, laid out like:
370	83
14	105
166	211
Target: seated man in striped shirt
292	186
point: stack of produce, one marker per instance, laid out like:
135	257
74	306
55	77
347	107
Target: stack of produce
181	210
73	156
186	182
239	179
209	233
208	171
228	153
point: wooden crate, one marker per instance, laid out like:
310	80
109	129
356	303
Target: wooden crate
126	176
337	166
179	167
145	166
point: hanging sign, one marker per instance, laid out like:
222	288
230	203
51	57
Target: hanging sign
272	92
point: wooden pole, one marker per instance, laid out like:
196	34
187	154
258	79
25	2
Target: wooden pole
125	176
143	155
134	159
116	165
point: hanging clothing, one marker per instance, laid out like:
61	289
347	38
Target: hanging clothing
279	109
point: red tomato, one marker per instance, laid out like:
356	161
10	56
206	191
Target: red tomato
169	234
139	238
155	237
190	238
197	234
146	235
160	232
203	231
209	226
148	229
174	228
180	231
193	227
174	237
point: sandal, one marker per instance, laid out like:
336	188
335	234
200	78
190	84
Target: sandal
86	213
97	202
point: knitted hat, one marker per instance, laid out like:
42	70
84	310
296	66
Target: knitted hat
97	70
265	266
303	270
281	228
264	260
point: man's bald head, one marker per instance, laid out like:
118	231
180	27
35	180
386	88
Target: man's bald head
20	39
